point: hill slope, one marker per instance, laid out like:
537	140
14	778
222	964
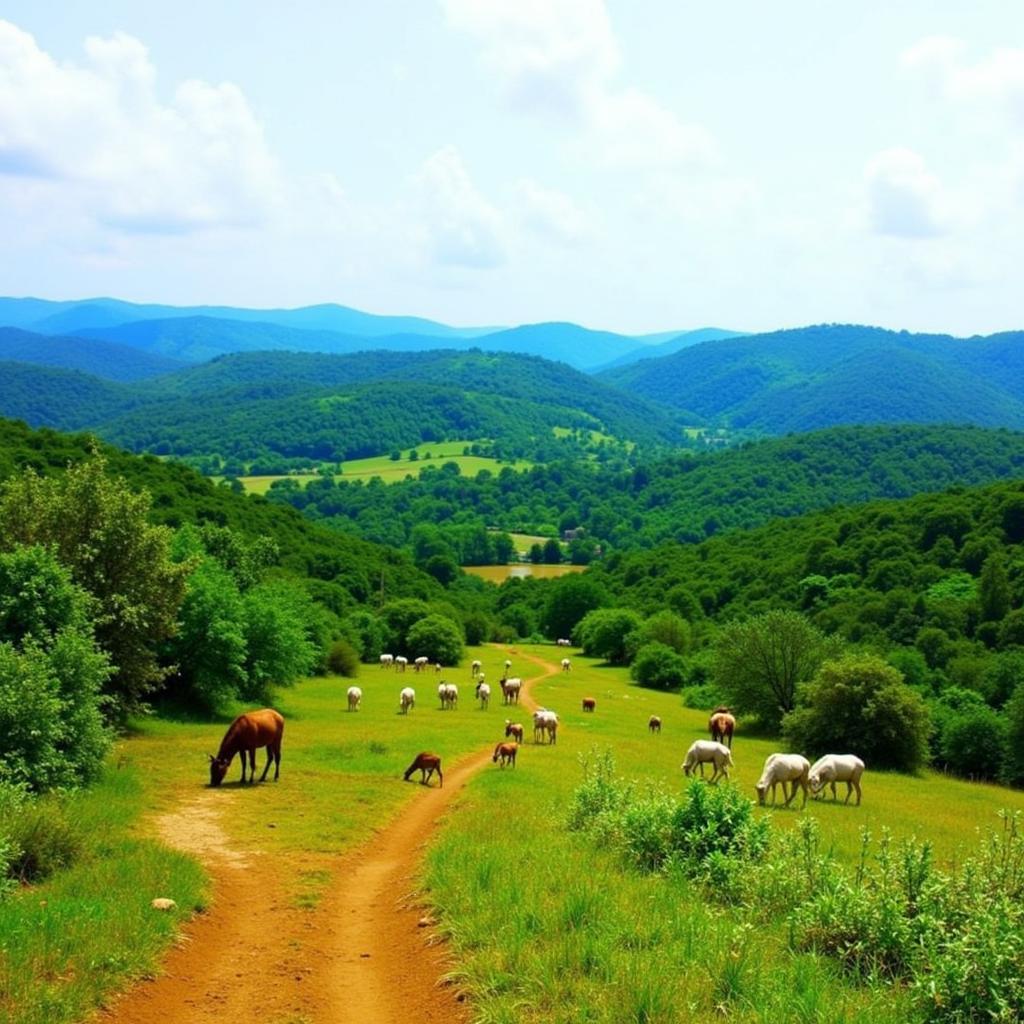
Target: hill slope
822	376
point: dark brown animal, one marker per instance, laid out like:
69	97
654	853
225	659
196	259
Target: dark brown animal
427	764
514	729
247	732
721	725
507	753
589	703
654	723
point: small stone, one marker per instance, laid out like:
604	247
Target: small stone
425	922
271	824
162	903
364	956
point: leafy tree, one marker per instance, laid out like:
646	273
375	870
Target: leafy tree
521	617
552	551
974	743
860	705
659	666
438	638
278	650
994	589
399	617
760	661
97	527
665	627
1013	768
569	599
38	597
536	553
603	633
343	659
367	633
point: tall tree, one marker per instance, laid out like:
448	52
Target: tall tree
994	589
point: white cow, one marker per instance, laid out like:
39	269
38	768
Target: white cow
510	689
400	662
355	695
545	722
833	768
483	693
791	768
387	660
475	669
563	642
703	752
449	694
421	663
566	664
407	699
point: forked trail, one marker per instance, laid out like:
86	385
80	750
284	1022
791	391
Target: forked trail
361	956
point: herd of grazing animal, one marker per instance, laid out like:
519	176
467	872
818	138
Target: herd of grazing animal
265	728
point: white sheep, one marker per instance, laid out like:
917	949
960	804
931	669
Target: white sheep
387	660
703	752
792	768
355	695
563	642
833	768
421	663
449	694
483	692
400	662
407	699
510	689
475	669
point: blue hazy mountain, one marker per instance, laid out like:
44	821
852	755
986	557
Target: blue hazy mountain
658	345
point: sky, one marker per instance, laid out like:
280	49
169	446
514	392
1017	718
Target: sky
631	165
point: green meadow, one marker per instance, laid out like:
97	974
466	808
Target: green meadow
545	924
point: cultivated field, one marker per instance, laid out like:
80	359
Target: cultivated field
546	925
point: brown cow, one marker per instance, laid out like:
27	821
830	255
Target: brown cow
654	723
589	703
721	725
247	732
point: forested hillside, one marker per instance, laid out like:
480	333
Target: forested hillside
821	376
685	497
268	408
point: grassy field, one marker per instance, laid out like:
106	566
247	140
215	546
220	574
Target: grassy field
525	541
547	925
497	573
394	471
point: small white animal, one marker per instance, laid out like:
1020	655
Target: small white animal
407	700
703	752
355	695
833	768
791	768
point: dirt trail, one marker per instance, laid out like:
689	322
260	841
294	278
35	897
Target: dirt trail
361	956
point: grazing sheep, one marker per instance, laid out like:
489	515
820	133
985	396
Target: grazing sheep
483	693
566	664
400	662
513	729
387	660
703	752
563	642
589	704
449	694
654	723
437	668
475	669
833	768
721	725
507	753
545	722
420	663
427	764
510	689
407	699
783	768
355	695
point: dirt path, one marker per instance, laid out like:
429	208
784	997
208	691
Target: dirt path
361	956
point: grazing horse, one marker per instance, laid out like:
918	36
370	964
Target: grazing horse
507	753
247	732
589	703
566	664
510	689
654	723
721	725
513	729
427	764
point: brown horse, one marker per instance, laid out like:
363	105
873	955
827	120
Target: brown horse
427	764
721	725
507	753
589	703
247	732
654	723
514	729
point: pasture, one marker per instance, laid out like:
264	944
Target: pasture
545	925
498	573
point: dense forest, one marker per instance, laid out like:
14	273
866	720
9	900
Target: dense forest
685	497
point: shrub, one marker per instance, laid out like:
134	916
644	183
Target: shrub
702	697
42	839
343	659
604	632
1013	768
974	743
658	666
437	637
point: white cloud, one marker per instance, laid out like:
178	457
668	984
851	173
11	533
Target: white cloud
99	131
457	225
903	198
560	58
550	213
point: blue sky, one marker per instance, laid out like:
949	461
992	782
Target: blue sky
637	166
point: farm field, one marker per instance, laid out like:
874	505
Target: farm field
535	943
497	573
525	541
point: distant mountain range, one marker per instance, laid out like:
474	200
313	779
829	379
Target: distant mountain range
822	376
198	333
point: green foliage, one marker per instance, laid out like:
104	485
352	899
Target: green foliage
657	665
974	743
278	650
98	528
568	601
343	659
760	661
1013	770
399	617
859	704
994	589
438	638
40	837
366	632
668	628
38	597
603	633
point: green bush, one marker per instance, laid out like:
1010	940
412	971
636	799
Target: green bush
974	743
42	839
437	637
343	659
605	632
658	666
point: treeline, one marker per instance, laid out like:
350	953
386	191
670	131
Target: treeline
686	497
